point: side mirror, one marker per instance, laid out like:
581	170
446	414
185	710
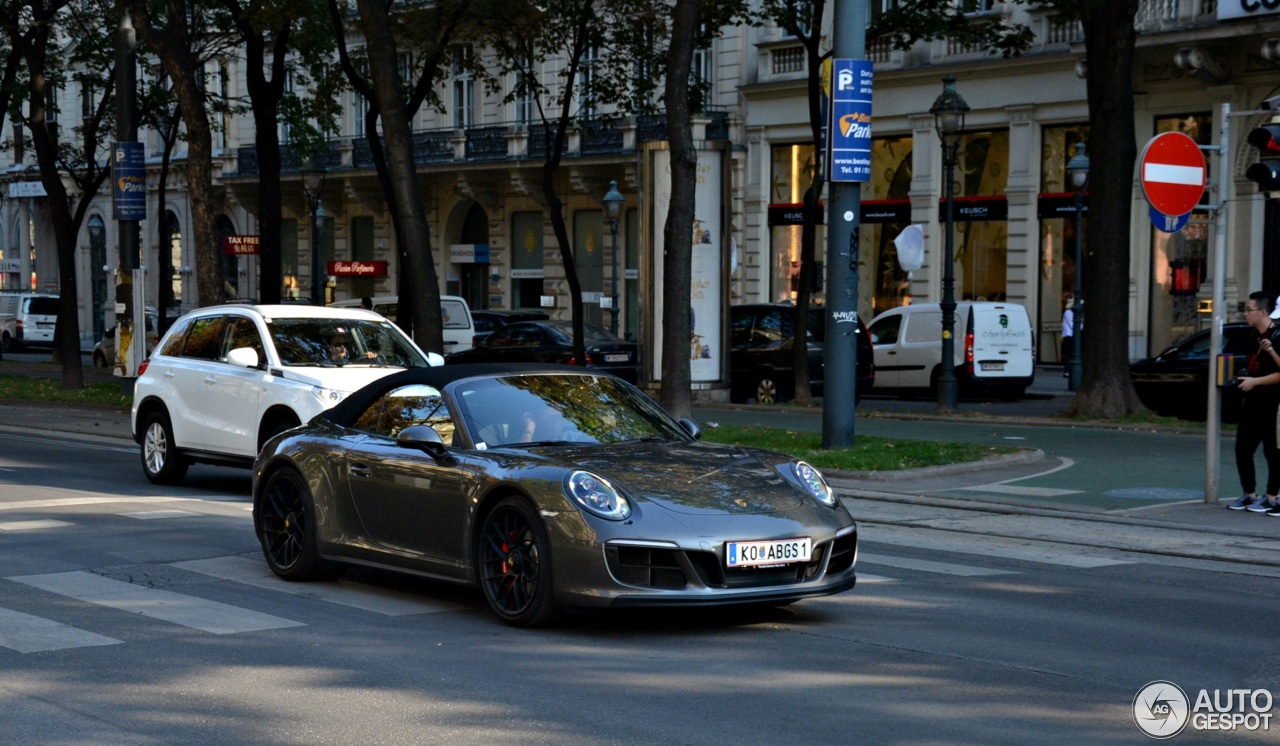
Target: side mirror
692	428
427	440
434	359
244	357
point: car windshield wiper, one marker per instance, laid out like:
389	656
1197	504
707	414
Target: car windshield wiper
543	443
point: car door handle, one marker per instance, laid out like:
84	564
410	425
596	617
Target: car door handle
211	380
360	470
169	374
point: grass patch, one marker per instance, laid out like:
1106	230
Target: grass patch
98	393
868	453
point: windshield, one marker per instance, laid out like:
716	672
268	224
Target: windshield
329	343
551	409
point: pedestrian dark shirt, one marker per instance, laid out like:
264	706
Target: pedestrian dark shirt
1262	398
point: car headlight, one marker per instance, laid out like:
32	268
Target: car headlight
812	480
597	496
328	397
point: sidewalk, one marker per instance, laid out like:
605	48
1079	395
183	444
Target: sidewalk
1189	530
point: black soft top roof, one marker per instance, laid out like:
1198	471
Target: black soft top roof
346	411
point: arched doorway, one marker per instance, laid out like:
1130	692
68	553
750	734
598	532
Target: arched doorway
472	267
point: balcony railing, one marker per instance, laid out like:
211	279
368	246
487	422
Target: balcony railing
592	137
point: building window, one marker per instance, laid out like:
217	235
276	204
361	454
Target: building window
883	282
1057	234
792	171
464	91
981	245
587	81
289	258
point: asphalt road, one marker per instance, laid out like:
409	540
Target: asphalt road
136	614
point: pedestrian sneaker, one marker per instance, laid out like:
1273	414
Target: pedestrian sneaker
1274	511
1242	502
1262	505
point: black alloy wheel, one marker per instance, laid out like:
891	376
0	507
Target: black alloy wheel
161	461
286	526
515	564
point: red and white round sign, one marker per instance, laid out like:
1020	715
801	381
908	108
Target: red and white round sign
1172	173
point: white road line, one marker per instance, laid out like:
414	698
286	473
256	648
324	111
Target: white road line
368	598
945	568
188	611
67	502
148	515
31	634
31	525
1008	489
865	578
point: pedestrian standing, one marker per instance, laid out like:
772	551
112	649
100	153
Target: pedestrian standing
1260	398
366	303
1068	334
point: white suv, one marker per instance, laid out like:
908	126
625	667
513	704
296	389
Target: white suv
224	379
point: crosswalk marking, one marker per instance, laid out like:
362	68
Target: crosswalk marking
31	525
177	608
994	546
368	598
66	502
946	568
25	633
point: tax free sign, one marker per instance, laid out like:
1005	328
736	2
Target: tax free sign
850	129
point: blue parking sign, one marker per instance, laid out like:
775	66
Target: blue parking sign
849	133
129	181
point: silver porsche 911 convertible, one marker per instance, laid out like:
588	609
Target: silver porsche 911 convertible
550	488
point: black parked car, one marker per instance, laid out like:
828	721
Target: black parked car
1175	382
552	342
488	322
760	364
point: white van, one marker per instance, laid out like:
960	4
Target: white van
35	317
995	348
455	315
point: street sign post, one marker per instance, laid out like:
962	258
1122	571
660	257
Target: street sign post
1172	172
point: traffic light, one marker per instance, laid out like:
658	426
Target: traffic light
1266	172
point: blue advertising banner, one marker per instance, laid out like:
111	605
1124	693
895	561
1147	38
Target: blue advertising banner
850	130
128	181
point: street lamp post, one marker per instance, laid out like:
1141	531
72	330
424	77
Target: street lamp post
1078	167
613	200
313	180
948	112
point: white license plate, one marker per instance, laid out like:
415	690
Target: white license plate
993	366
622	358
753	553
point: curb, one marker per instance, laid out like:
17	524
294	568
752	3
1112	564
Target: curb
1024	456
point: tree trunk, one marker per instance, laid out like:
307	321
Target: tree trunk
406	195
1106	389
172	43
677	235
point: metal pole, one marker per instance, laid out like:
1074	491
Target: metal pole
613	279
127	293
1074	366
948	391
840	352
317	275
1213	426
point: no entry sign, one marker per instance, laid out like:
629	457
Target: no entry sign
1172	172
